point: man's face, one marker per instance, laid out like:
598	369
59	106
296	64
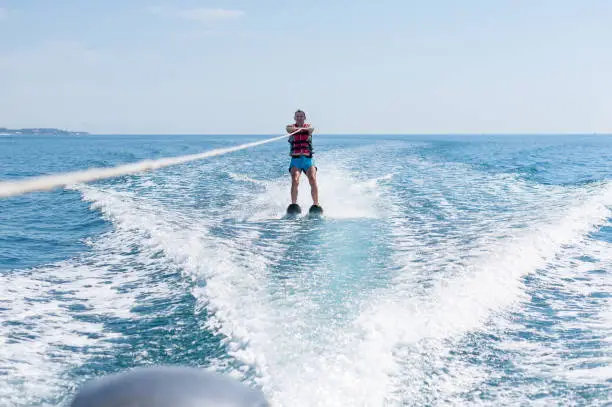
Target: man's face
300	117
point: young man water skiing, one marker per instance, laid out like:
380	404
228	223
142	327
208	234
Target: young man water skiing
301	152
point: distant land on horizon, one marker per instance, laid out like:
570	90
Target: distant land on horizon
51	131
40	132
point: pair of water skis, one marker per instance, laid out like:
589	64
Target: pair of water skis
315	211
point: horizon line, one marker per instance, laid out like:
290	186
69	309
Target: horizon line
364	134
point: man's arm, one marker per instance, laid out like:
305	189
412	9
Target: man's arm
291	128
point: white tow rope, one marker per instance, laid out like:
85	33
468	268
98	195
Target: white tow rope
48	182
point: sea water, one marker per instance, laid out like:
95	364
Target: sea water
447	270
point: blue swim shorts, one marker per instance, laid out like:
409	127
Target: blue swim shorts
302	162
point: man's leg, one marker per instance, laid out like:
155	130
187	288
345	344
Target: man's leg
295	180
314	189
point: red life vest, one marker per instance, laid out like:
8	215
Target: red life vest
301	143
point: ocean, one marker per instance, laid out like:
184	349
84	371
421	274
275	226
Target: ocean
447	270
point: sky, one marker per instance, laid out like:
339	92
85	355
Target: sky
368	67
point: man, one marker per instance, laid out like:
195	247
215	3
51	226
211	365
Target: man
301	157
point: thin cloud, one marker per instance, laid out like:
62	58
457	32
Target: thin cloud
3	13
199	14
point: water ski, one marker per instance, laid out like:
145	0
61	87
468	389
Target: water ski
315	210
294	209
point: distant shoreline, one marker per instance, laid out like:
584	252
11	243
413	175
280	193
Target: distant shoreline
40	132
60	132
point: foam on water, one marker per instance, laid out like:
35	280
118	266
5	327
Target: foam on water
277	336
559	340
44	326
304	339
52	321
35	328
420	322
269	327
341	194
373	305
230	280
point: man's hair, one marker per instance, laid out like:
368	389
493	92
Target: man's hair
299	111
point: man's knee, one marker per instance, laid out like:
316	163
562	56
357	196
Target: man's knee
312	177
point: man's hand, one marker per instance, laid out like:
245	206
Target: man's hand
291	128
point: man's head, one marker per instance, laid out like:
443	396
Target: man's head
299	117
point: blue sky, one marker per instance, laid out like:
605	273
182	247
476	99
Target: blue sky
224	67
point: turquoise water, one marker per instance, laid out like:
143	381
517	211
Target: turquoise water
453	270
